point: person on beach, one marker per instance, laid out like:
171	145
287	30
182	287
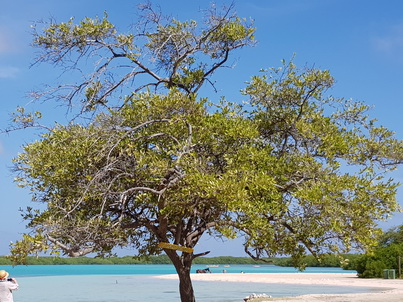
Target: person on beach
7	286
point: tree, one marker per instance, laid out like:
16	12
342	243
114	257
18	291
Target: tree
293	171
393	235
385	256
371	265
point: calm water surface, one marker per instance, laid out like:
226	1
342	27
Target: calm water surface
149	269
136	283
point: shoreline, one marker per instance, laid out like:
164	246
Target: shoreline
390	290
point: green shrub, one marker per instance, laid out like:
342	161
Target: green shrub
372	266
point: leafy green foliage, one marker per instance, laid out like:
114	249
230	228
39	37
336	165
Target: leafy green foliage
161	54
311	148
67	33
163	161
384	256
372	265
393	235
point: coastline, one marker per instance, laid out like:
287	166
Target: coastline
390	290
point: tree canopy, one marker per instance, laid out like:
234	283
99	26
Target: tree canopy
292	171
391	236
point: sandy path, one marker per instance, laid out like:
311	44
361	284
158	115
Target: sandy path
392	289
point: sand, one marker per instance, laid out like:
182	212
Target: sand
391	290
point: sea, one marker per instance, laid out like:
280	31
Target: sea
138	283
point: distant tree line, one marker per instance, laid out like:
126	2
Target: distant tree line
344	261
161	259
328	261
79	260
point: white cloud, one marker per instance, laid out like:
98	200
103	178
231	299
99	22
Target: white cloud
8	72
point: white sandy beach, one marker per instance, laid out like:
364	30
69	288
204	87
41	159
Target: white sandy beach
391	289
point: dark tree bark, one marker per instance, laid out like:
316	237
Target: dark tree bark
183	265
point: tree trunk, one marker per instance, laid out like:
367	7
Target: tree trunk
185	285
183	265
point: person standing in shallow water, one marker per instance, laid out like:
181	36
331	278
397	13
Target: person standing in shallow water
7	286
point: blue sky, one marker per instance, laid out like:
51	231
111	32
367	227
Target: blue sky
360	42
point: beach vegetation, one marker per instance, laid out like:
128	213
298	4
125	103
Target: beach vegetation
387	255
149	158
372	265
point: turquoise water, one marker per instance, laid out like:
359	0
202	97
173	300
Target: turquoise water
144	269
137	283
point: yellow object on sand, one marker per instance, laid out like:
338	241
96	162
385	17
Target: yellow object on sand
172	246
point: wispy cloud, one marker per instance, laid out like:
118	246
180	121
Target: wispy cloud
8	48
391	42
8	72
7	44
